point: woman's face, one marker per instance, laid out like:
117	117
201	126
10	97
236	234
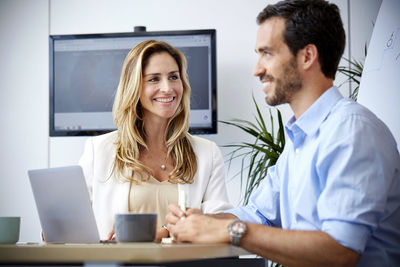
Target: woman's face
161	87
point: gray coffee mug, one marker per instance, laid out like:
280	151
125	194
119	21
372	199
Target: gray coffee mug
135	227
9	230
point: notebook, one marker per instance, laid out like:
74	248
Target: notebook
63	203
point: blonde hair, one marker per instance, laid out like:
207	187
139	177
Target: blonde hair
127	112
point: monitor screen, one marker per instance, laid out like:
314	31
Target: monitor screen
85	72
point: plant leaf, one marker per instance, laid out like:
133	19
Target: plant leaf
258	156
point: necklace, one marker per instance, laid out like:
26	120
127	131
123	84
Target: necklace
163	166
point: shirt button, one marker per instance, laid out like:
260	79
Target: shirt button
297	150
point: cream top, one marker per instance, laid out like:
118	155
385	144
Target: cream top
153	197
207	192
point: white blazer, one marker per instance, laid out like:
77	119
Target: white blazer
207	192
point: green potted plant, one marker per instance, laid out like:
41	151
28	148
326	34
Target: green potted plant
353	73
259	155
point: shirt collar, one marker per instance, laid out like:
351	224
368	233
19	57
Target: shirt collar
311	120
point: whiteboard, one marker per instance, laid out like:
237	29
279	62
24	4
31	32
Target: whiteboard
380	82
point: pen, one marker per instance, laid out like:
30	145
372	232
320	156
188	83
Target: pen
182	202
182	205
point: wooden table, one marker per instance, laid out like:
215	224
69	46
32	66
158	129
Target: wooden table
137	253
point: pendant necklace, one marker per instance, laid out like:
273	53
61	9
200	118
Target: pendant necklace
163	166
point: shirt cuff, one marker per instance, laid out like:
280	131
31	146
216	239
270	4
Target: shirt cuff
235	211
350	235
248	215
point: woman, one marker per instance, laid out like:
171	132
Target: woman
143	165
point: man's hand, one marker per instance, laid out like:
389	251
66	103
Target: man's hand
198	228
175	214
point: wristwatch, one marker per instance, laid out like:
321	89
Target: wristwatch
237	229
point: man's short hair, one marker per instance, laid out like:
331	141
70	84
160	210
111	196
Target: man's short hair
311	22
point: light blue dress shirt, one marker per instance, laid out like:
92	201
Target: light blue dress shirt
339	174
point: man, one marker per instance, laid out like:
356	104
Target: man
333	198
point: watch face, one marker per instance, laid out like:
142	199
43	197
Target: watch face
236	230
239	227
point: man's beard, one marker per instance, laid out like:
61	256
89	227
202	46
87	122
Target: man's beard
286	85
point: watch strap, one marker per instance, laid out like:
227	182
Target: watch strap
235	240
236	230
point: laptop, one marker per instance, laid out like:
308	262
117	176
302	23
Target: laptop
63	203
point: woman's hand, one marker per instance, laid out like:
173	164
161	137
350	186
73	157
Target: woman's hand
111	235
161	233
42	236
175	214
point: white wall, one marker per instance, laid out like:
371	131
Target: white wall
24	29
362	20
24	106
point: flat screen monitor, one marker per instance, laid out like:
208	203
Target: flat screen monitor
85	71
